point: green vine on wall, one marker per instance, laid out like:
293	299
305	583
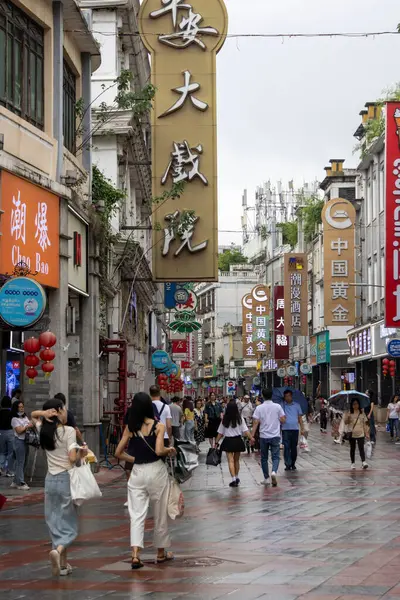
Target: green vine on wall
289	233
311	214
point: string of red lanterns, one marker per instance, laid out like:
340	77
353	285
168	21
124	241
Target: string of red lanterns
32	346
170	384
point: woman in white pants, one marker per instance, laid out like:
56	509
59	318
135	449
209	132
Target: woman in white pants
149	480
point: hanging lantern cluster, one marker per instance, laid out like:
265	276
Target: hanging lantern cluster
170	383
388	367
32	346
47	341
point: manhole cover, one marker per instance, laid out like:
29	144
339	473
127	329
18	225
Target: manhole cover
204	561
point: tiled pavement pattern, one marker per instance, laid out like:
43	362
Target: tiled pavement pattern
325	533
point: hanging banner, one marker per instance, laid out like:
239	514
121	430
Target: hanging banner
256	321
339	218
183	39
392	169
295	294
281	341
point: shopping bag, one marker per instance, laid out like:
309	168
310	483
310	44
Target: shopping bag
176	502
368	449
32	437
213	458
84	486
304	444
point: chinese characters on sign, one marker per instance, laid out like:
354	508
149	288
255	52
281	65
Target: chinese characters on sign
392	169
338	217
281	345
255	320
29	229
184	37
295	294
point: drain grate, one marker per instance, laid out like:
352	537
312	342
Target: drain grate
202	561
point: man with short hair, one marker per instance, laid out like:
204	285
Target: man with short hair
269	417
177	417
290	429
71	421
164	412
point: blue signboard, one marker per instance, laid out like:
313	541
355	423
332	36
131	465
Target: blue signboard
394	348
169	294
22	302
160	360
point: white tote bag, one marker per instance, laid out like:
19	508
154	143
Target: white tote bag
176	502
84	486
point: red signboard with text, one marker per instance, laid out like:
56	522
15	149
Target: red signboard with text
392	308
180	347
281	341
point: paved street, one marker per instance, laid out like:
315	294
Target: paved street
325	534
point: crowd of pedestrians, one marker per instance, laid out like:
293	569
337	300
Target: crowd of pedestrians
154	429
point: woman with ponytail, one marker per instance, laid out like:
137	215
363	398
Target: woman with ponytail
59	442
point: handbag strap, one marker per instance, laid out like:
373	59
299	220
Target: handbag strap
355	422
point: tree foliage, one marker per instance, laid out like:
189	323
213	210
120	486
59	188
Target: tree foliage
289	233
375	128
233	256
311	214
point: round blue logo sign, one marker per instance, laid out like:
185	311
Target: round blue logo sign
394	348
22	302
160	360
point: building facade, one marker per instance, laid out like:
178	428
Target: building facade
47	56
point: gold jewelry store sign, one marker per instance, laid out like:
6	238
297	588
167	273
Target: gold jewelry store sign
338	218
183	38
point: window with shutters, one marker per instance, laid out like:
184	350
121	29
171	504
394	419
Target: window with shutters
21	64
69	116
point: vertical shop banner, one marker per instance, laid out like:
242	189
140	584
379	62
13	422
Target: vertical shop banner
29	229
392	169
295	294
339	218
256	321
183	39
281	341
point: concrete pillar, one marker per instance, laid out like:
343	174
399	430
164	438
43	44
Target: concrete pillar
58	60
58	301
90	354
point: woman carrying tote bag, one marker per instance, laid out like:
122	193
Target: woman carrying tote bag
60	513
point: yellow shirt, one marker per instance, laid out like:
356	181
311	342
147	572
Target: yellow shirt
189	414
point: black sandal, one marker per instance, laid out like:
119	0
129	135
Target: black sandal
136	563
166	558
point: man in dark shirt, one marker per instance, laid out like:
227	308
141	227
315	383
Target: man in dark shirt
71	421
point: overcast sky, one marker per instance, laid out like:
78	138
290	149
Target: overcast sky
285	109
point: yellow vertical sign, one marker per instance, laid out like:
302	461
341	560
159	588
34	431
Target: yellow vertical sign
339	218
183	38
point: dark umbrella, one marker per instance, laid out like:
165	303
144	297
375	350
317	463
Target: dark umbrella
342	400
298	397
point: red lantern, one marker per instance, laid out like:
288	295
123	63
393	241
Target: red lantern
385	361
47	339
31	360
47	355
47	368
32	345
31	373
392	363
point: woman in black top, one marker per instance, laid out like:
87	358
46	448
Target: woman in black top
212	412
149	477
6	438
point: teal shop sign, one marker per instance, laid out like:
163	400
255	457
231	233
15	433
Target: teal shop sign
323	348
22	302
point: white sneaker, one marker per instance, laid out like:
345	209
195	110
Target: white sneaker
13	485
273	479
265	482
9	474
365	465
23	487
65	570
353	466
126	504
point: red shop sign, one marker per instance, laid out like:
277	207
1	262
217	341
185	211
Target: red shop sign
180	346
392	297
281	341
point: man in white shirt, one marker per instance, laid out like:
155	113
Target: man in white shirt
164	412
269	417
